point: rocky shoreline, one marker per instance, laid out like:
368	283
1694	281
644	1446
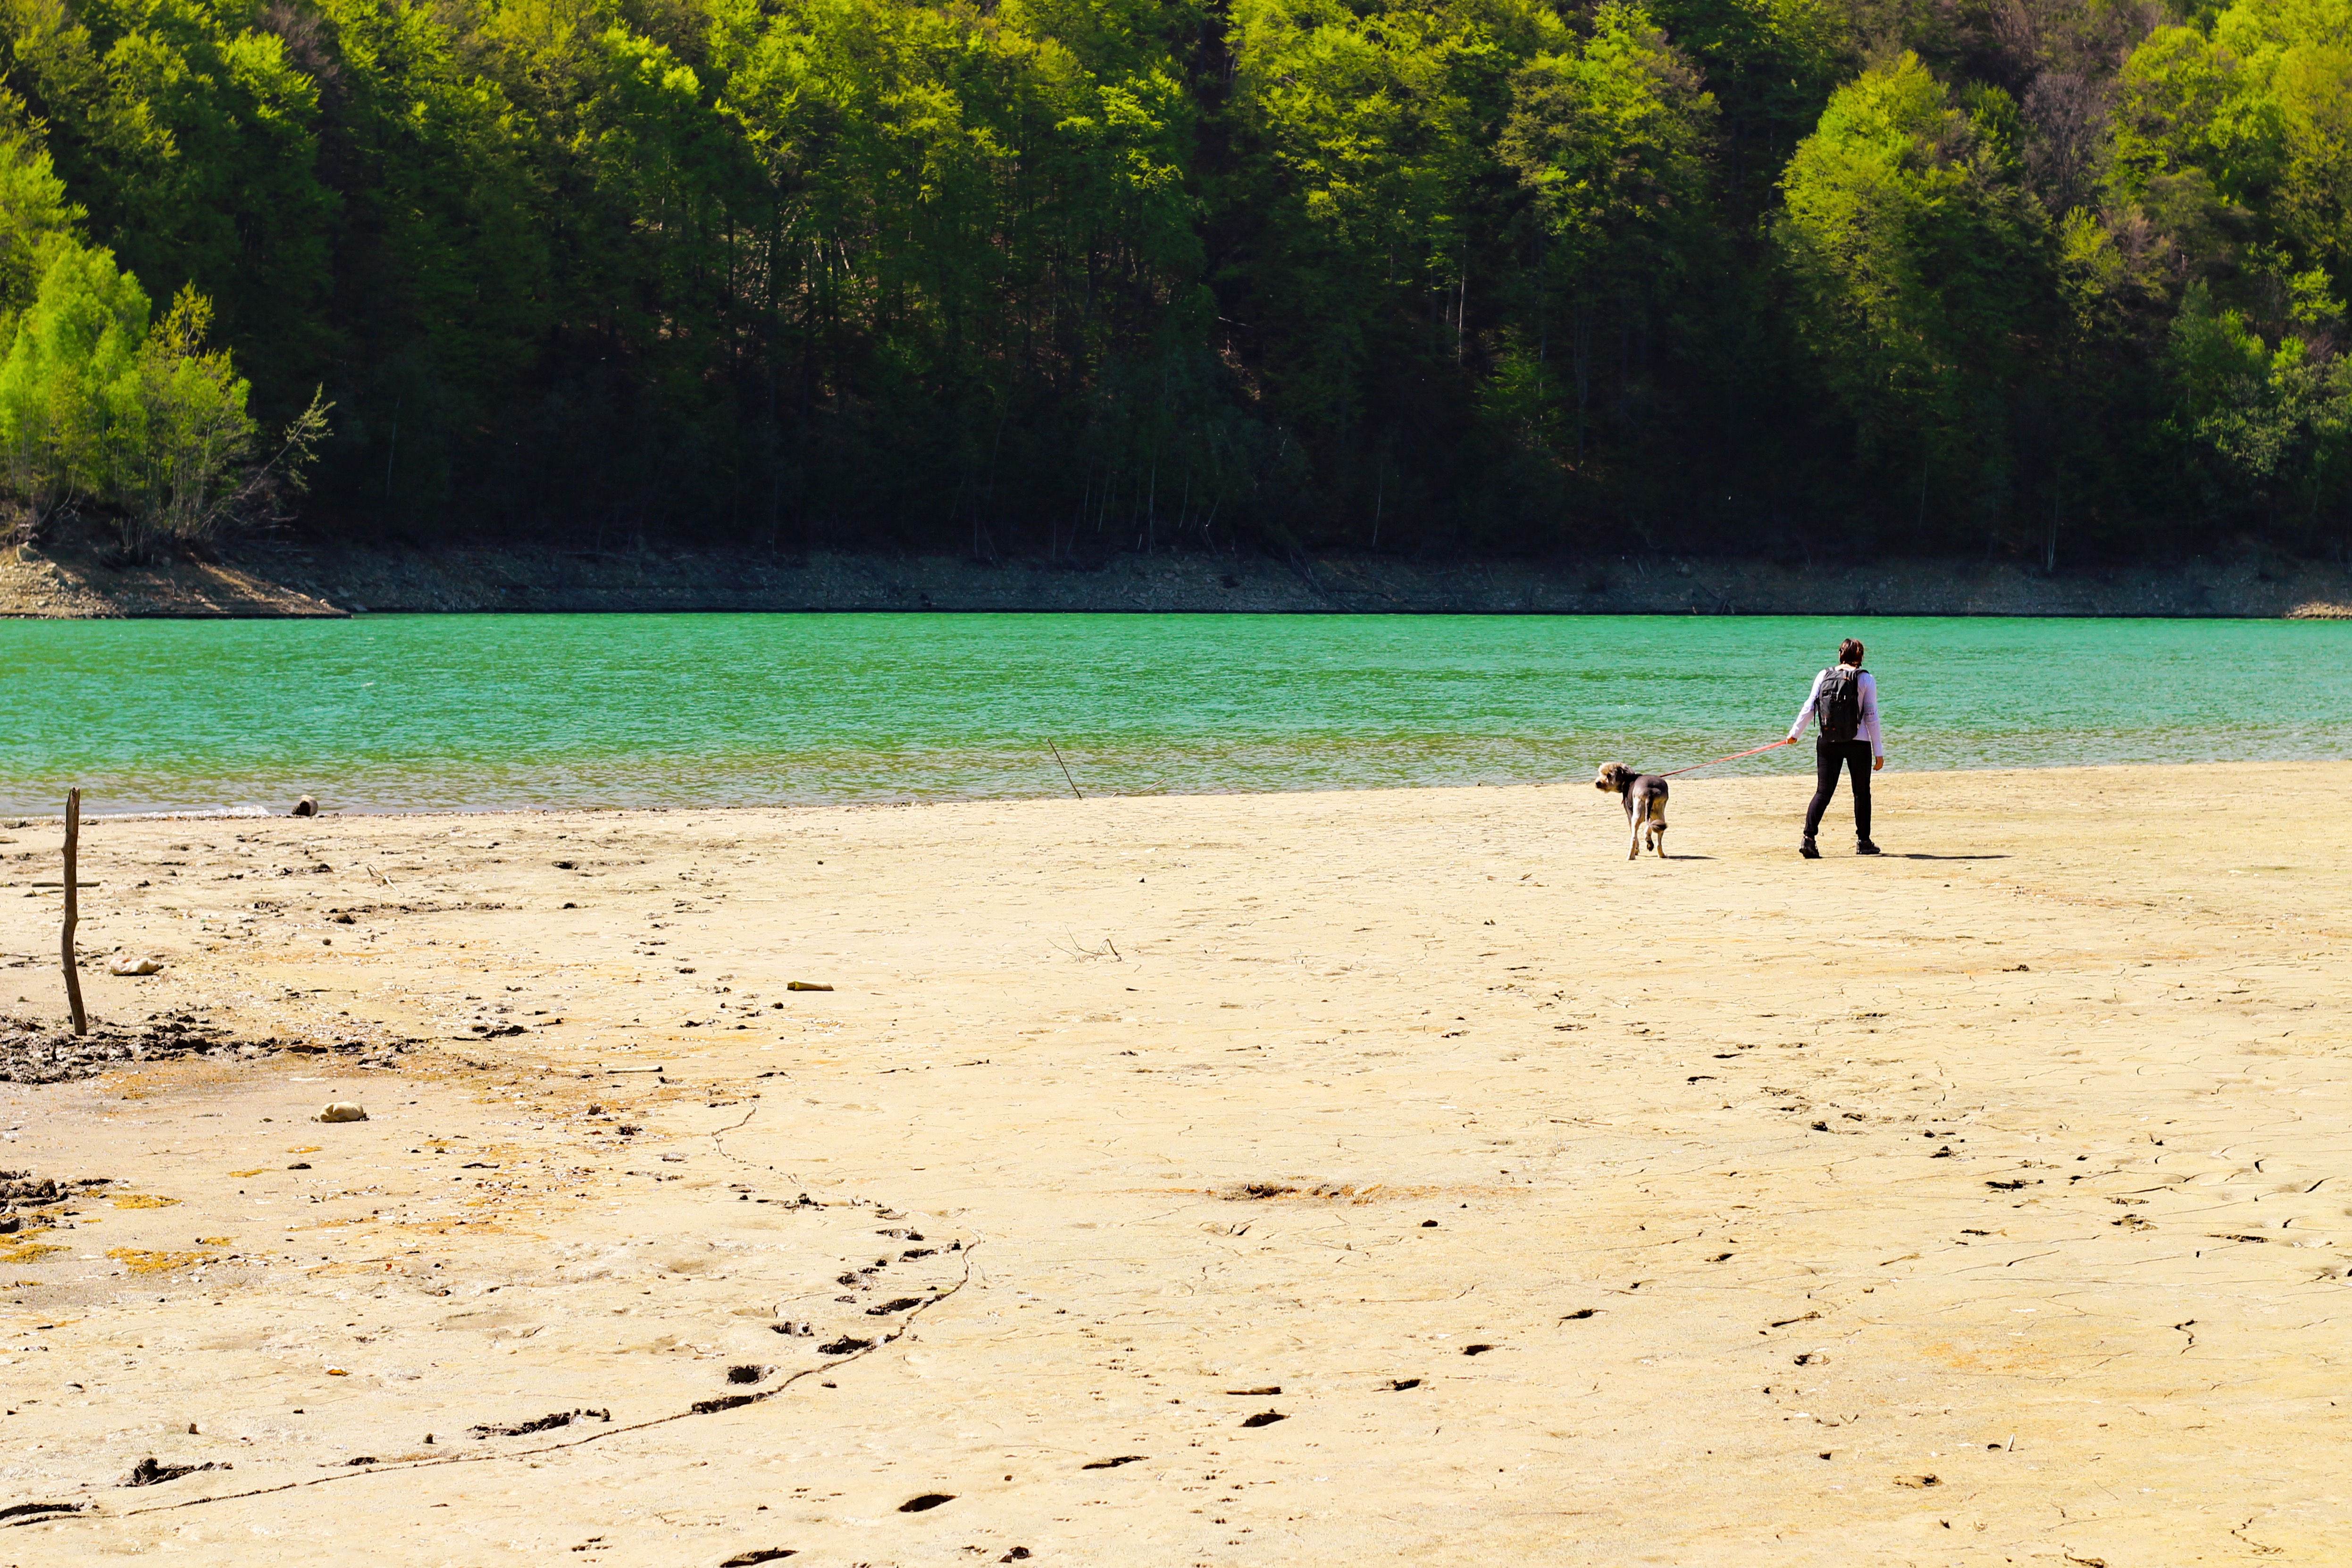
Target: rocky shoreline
65	582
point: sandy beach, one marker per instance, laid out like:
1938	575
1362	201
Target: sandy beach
1338	1178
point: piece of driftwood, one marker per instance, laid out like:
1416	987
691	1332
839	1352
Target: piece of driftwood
73	913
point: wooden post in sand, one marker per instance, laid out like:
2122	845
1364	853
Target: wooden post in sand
73	910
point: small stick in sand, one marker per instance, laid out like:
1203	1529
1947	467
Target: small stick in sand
1066	768
73	911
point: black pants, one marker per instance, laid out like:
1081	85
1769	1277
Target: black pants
1828	757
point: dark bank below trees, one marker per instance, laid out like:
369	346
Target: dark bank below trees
2052	282
329	580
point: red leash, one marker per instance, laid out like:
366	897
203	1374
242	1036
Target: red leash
1733	758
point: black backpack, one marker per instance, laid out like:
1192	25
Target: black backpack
1841	704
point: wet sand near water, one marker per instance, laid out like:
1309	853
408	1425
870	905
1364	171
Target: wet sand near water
1379	1177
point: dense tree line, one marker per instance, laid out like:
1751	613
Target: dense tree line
2054	280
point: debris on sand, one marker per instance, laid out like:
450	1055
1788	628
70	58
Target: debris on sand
34	1051
148	1473
306	807
23	1189
130	964
342	1111
21	1232
141	1262
1259	1192
544	1424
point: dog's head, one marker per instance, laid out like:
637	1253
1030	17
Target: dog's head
1614	777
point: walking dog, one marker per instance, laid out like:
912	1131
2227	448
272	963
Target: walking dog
1646	805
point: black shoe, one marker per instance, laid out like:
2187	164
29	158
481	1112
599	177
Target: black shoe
1865	846
1808	850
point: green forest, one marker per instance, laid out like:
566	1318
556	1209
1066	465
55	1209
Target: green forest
2054	281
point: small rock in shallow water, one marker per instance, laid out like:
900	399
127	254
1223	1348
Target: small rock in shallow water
343	1111
306	807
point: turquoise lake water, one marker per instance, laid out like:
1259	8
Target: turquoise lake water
472	712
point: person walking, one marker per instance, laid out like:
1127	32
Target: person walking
1845	699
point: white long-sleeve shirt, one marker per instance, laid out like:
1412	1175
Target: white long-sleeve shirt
1869	731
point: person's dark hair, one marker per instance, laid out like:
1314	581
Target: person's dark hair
1850	652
